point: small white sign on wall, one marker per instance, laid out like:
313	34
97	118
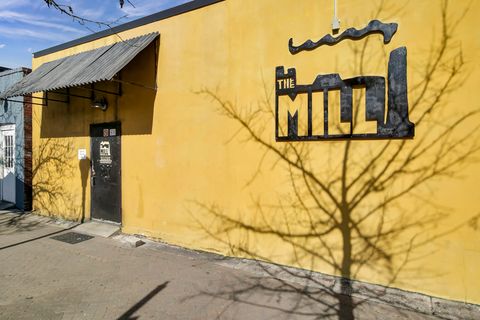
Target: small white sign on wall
82	154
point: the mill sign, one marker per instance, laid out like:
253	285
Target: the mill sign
392	122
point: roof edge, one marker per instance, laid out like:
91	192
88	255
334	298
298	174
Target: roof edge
165	14
8	72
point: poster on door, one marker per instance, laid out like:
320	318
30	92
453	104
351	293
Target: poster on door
105	155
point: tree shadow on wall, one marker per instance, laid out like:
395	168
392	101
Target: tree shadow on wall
352	212
52	166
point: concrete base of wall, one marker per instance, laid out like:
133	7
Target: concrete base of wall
429	305
360	291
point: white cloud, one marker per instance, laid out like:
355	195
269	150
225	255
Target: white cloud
2	45
29	50
8	4
15	32
23	18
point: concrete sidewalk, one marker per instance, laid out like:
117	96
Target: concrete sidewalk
105	278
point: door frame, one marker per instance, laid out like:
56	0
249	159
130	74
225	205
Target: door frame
92	125
8	127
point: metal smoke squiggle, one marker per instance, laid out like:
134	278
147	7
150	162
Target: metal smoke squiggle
373	27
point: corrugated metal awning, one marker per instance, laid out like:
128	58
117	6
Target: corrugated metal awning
83	68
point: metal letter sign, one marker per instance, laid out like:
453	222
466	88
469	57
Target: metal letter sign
396	126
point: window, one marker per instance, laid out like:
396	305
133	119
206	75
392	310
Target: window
8	152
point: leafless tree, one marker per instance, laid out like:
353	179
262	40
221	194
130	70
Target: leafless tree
68	10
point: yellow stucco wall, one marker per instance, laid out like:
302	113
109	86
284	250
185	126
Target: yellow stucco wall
192	176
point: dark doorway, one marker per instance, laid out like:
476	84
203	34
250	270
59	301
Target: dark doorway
105	176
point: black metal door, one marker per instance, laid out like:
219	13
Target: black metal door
105	171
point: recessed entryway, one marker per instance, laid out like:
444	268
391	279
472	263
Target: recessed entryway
105	172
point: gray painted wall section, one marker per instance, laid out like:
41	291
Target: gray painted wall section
12	113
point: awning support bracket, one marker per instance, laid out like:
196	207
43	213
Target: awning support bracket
45	100
134	84
10	100
68	95
92	89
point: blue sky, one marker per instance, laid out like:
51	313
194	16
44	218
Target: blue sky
27	26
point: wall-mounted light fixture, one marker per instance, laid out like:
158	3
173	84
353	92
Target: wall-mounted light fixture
100	104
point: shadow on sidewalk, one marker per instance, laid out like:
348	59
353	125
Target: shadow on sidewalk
128	314
11	223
